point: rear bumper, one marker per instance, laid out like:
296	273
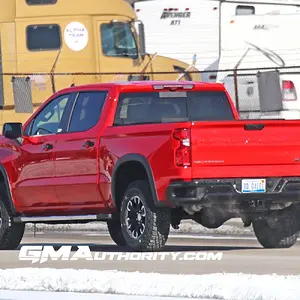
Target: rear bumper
228	192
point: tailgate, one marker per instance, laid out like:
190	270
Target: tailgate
237	149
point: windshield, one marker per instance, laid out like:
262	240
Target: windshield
163	107
118	40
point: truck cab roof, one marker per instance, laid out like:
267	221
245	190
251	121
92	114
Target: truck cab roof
141	85
52	8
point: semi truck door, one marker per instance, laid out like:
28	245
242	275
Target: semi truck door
1	78
117	50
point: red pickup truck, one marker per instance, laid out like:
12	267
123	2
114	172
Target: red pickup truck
142	156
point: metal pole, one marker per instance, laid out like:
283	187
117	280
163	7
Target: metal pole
236	90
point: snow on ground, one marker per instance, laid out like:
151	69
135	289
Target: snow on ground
21	295
231	227
211	286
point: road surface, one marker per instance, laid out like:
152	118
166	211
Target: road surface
239	255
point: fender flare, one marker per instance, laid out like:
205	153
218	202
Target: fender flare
8	189
144	162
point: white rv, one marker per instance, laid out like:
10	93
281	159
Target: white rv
192	30
265	44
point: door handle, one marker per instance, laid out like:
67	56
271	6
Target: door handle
47	147
254	126
88	144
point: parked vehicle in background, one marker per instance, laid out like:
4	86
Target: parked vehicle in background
142	156
192	31
42	37
257	42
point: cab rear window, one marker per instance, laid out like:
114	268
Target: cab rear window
164	107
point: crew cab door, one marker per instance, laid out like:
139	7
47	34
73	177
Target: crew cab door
35	186
76	154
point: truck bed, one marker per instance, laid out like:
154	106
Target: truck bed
240	148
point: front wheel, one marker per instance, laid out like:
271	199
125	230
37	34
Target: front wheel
11	233
281	232
144	227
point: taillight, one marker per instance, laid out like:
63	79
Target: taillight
288	91
183	152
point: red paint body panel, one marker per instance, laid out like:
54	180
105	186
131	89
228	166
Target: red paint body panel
76	170
34	184
153	142
71	178
224	150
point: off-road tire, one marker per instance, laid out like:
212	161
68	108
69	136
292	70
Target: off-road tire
115	230
282	234
11	233
157	220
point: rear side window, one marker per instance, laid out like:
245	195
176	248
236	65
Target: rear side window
244	10
40	2
163	107
43	37
87	111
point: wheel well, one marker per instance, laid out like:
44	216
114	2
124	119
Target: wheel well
127	173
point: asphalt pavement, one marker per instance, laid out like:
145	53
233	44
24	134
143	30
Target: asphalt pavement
240	254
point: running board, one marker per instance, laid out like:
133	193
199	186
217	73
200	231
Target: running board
101	217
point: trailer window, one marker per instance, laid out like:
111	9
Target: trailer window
40	2
118	40
43	37
245	10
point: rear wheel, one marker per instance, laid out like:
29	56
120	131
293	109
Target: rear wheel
144	227
11	233
280	232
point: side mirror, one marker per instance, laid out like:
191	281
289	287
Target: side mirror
12	130
141	29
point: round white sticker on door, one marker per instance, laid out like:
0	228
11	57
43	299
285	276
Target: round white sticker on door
76	36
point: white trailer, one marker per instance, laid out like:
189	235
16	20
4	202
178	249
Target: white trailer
192	30
267	43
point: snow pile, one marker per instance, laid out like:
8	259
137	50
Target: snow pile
232	227
212	286
28	295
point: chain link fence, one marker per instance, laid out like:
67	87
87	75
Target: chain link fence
24	92
265	93
257	93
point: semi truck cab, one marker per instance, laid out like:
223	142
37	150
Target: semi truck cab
47	45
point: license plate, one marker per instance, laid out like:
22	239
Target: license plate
253	186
